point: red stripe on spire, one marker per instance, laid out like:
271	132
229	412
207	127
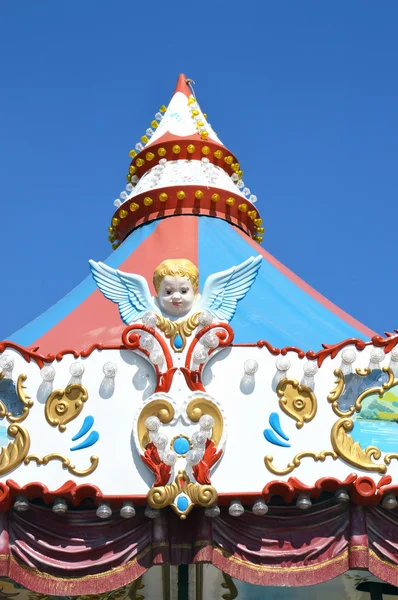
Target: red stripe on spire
182	86
97	320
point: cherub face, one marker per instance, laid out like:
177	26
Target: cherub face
176	295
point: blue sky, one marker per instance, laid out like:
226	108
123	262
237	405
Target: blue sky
304	92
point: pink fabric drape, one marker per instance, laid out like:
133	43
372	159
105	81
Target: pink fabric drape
77	553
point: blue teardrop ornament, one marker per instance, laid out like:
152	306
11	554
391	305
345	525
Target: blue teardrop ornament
178	341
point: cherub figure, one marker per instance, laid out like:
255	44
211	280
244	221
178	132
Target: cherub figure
176	282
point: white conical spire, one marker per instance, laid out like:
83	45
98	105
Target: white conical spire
183	168
183	117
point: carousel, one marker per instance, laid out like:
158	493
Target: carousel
194	421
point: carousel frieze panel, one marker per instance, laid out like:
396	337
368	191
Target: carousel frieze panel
188	415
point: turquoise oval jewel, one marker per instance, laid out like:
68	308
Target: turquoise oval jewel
181	445
178	341
182	503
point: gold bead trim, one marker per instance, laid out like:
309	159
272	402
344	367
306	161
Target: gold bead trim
144	160
234	211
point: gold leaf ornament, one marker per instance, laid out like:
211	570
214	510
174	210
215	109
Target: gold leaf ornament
296	461
173	328
203	406
335	394
13	455
25	400
351	451
297	401
348	450
160	408
66	463
62	406
200	495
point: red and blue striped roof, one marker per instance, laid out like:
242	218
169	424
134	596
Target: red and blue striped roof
280	307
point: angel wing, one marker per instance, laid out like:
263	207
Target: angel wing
130	292
223	290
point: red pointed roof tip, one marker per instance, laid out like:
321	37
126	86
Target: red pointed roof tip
182	85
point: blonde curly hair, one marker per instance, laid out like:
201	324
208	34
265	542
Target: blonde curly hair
176	267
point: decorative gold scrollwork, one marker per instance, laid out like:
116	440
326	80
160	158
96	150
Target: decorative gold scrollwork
66	464
160	408
297	401
14	454
162	496
173	328
63	406
24	399
390	456
342	442
335	394
200	495
296	462
351	451
203	406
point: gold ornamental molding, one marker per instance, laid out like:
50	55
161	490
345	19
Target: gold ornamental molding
343	444
297	401
200	495
62	406
296	462
66	463
203	406
351	451
14	454
173	328
335	394
160	408
25	400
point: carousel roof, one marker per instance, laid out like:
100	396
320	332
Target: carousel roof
186	197
113	432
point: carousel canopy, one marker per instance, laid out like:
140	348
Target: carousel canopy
177	408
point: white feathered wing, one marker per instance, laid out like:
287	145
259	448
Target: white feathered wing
223	290
130	292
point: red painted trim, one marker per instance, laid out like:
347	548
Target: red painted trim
188	206
168	140
182	86
96	319
152	460
201	471
40	359
132	342
226	337
377	341
194	378
362	490
311	291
